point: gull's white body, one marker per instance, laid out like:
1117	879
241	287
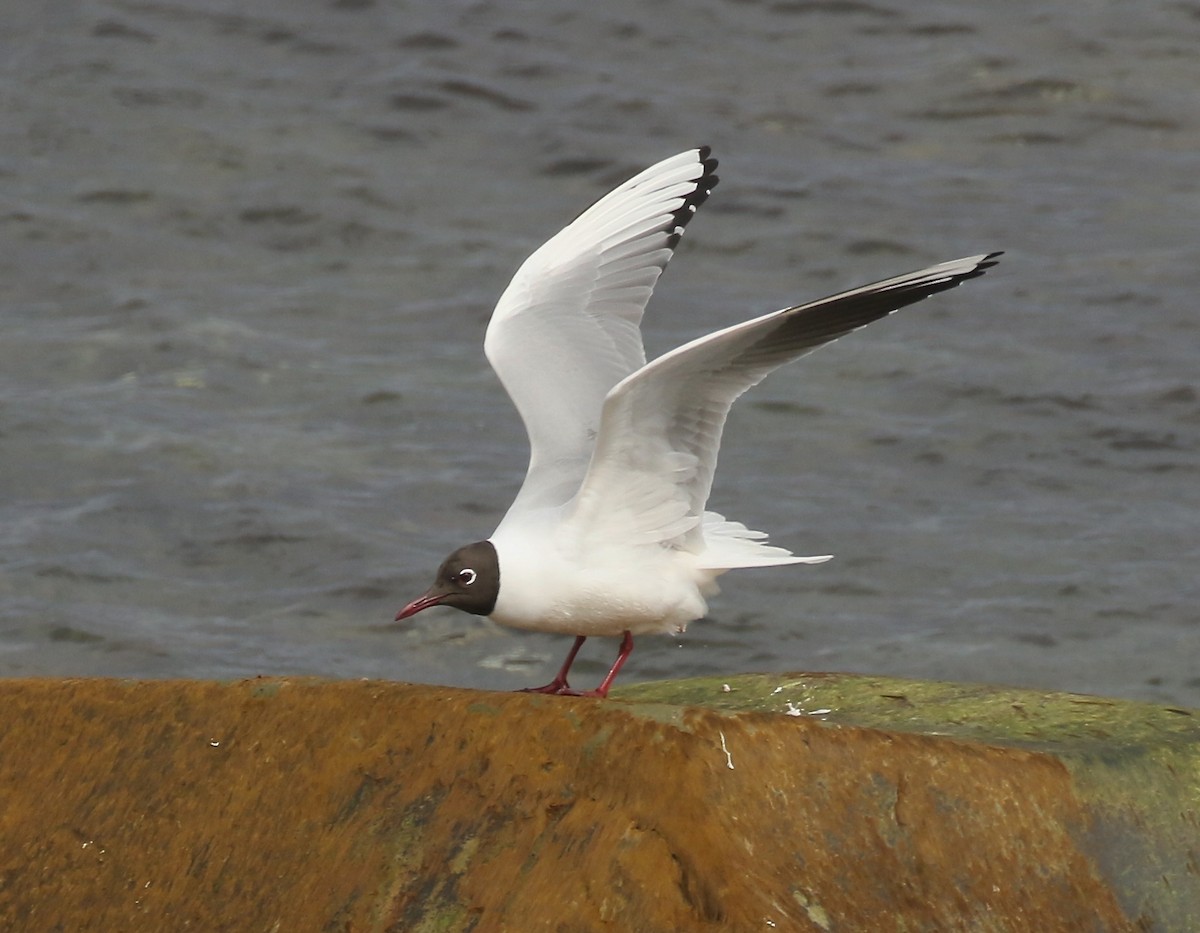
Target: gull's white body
552	581
550	588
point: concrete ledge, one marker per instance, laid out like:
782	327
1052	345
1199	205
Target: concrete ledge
790	802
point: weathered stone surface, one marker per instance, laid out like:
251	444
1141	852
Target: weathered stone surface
354	806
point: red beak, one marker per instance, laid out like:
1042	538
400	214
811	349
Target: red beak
424	602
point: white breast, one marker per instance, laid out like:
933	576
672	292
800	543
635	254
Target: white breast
606	592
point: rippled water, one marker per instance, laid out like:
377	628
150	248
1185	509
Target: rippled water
250	250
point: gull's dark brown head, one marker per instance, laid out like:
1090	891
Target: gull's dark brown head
469	579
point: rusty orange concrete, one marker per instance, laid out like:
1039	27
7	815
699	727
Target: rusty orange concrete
365	806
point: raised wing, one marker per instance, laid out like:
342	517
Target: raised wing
653	465
568	327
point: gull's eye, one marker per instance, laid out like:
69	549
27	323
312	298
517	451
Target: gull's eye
465	577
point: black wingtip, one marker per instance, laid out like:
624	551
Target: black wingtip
705	156
988	260
704	186
709	179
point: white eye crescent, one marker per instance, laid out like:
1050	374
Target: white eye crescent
466	576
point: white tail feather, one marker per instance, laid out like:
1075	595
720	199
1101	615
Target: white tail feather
728	545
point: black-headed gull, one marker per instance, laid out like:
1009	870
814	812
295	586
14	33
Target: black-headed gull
609	533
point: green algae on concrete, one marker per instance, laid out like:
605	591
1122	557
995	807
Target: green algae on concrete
799	802
1007	715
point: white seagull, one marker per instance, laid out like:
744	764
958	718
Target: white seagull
609	534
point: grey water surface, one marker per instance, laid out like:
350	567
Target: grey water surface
248	252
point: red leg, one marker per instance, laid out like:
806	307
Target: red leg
626	649
559	683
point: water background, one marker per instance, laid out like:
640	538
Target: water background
248	252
